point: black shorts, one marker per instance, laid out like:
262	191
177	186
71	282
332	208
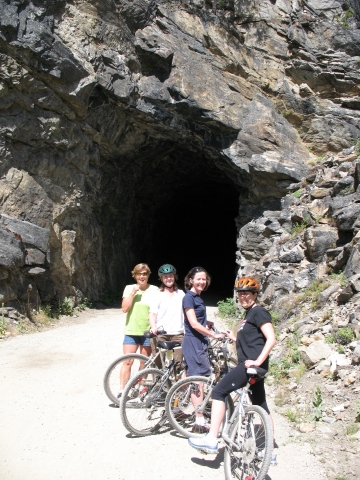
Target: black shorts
238	378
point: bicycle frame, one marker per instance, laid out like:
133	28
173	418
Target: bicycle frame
244	401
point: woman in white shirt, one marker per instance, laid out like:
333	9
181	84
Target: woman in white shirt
166	308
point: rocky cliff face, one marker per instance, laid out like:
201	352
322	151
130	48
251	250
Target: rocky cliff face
110	112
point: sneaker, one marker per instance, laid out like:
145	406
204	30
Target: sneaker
204	445
196	428
261	454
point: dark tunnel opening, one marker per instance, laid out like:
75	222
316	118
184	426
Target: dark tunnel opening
171	204
197	228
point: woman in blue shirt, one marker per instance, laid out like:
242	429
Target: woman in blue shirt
197	331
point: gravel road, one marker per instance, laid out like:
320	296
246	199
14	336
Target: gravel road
56	422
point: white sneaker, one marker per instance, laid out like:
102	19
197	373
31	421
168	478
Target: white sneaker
204	444
261	455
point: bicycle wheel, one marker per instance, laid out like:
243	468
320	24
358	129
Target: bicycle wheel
254	439
180	409
112	376
142	407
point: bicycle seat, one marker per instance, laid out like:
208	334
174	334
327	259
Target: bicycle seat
168	345
256	373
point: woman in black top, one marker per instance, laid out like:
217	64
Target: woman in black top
254	341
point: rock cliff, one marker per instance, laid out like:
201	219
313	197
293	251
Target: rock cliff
110	112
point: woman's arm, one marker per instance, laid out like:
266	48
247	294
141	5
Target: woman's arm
190	314
230	335
128	301
268	332
152	321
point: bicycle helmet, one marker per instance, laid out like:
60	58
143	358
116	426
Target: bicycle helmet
165	269
247	284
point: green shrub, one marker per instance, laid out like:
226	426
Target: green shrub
339	278
297	194
312	292
299	371
292	415
280	370
66	308
330	338
84	304
227	308
298	228
317	405
343	18
347	190
275	316
344	335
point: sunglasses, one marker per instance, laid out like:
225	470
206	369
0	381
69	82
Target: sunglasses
141	274
198	269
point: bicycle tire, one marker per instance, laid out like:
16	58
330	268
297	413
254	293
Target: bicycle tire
112	375
143	413
180	410
255	439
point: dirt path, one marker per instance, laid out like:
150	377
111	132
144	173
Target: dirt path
56	422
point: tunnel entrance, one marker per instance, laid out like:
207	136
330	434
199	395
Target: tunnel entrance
196	227
171	204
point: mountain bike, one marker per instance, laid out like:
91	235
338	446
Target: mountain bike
142	407
248	436
135	362
180	408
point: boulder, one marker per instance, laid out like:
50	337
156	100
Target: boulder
344	183
346	217
345	294
293	255
11	252
325	294
352	265
319	240
315	352
30	234
317	193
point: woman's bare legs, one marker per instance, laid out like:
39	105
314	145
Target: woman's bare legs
197	397
217	416
126	366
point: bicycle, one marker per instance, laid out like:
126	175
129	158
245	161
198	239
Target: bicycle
248	436
136	362
142	407
179	406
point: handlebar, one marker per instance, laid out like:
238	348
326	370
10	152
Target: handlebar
148	334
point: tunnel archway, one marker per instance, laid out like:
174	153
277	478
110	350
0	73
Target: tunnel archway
177	206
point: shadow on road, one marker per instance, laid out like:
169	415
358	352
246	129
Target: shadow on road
211	462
